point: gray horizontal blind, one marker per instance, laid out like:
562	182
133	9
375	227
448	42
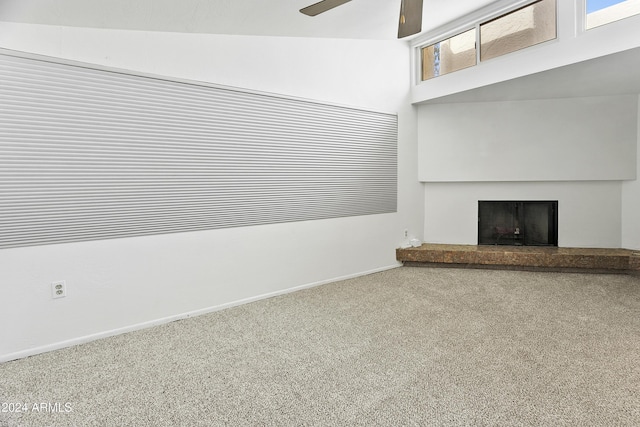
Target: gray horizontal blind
89	154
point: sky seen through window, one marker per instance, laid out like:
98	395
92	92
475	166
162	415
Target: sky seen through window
595	5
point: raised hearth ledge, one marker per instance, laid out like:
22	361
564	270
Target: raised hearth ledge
523	257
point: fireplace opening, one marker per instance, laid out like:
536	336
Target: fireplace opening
522	223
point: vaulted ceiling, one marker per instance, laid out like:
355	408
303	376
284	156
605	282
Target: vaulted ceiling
360	19
357	19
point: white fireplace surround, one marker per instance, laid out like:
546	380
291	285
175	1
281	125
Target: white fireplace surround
579	151
589	212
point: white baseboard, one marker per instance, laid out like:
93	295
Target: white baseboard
105	334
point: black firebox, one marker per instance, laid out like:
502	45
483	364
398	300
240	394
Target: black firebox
530	223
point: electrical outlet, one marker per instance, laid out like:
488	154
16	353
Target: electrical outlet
58	289
406	233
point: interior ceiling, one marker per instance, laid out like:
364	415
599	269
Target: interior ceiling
359	19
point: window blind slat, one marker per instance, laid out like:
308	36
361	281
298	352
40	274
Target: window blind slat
89	153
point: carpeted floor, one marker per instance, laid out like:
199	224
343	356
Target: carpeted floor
409	346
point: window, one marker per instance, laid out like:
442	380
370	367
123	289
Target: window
527	26
519	29
449	55
601	12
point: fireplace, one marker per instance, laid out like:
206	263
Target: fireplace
529	223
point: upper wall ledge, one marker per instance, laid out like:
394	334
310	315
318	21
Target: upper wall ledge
573	45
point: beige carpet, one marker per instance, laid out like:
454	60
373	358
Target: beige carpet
410	346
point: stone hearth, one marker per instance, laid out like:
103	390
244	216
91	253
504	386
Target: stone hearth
518	257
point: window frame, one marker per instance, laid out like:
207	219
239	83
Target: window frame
474	19
423	47
479	25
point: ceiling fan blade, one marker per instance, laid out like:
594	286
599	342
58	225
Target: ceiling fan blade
410	18
322	6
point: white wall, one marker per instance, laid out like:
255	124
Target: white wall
631	204
122	284
589	213
336	71
573	139
577	151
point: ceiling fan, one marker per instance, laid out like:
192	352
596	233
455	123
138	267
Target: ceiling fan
410	21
